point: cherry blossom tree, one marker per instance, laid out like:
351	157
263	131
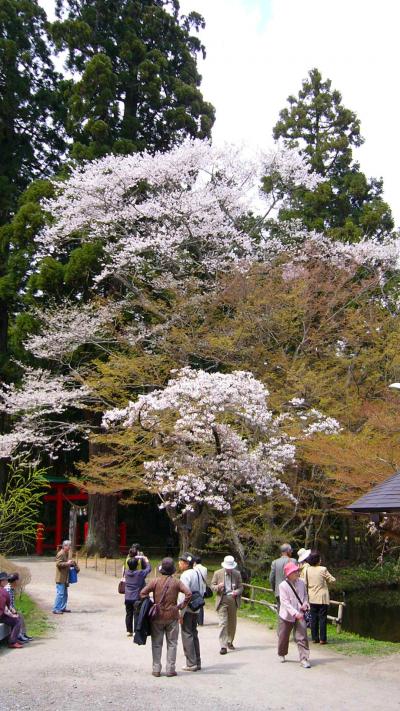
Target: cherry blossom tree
214	437
65	327
177	212
42	408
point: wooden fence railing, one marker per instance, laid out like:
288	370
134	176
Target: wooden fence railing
252	600
113	566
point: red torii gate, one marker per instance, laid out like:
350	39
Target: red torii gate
62	491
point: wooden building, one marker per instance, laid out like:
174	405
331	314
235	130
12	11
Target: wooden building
382	499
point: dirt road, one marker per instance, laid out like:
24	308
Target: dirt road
87	663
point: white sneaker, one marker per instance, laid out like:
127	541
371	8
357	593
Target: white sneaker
305	664
282	659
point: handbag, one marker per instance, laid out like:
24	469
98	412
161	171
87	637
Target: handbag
307	613
155	609
72	576
121	584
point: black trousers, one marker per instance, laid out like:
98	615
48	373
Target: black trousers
130	613
318	622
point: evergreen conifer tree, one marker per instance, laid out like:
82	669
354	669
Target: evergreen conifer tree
345	204
138	85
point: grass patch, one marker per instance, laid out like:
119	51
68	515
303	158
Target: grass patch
363	577
37	623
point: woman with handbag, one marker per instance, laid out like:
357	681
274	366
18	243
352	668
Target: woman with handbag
164	615
293	614
317	578
133	581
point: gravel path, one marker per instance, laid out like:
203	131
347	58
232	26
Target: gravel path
87	663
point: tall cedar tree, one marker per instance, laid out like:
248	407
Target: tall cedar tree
346	204
31	141
138	84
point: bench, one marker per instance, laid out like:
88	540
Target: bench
4	630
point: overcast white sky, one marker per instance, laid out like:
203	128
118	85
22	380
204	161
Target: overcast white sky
258	52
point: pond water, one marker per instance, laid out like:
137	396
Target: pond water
374	613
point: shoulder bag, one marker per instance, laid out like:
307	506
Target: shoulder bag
197	599
208	592
121	584
307	613
155	609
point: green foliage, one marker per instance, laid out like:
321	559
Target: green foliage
19	506
36	620
139	85
30	137
365	577
346	205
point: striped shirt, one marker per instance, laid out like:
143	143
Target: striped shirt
11	593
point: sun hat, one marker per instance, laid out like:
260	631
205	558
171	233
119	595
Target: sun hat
229	562
3	576
167	567
303	554
290	568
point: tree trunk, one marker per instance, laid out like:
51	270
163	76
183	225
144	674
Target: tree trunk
236	543
309	538
102	534
198	533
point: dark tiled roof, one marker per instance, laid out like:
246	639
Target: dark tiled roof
384	497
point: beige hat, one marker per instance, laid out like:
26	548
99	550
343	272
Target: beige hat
229	562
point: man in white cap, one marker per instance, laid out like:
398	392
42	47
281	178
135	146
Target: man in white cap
228	586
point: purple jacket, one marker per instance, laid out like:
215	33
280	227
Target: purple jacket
134	582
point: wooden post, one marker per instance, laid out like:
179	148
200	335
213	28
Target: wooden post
115	567
86	561
340	617
252	596
105	565
95	562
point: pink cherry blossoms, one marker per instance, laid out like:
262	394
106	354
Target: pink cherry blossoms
65	327
178	211
37	406
223	439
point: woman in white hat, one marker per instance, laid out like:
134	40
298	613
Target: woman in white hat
302	559
228	585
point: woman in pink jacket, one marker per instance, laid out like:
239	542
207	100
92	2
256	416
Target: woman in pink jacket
294	603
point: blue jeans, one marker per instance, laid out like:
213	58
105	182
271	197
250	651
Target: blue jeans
61	600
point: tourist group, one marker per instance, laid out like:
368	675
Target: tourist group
160	607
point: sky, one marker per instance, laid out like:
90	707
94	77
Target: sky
259	51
